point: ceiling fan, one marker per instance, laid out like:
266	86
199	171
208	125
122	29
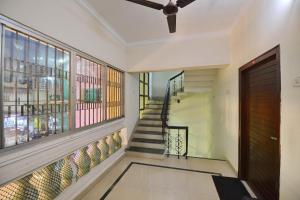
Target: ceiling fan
170	10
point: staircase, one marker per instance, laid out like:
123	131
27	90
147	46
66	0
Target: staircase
147	140
196	81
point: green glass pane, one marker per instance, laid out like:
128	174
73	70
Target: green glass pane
146	77
141	76
141	89
142	103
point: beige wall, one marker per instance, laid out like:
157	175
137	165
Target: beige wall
159	82
263	25
195	111
72	24
205	50
68	22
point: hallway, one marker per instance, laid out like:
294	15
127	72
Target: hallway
150	179
96	94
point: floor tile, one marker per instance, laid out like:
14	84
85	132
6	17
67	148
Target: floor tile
149	182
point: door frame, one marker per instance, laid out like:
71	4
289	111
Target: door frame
242	167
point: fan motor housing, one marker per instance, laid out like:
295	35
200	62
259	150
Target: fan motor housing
170	9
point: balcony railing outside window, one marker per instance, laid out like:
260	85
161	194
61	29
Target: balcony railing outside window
37	78
35	95
114	94
90	84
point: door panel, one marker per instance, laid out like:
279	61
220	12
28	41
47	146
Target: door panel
260	121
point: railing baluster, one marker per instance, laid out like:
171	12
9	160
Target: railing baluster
186	142
168	150
178	144
174	87
181	86
164	118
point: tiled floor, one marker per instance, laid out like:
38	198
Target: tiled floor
157	183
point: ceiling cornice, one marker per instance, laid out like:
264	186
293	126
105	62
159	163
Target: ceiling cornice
86	5
179	38
173	38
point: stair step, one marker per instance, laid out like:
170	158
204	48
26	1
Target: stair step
151	111
150	122
200	72
155	104
153	108
198	84
148	113
149	128
146	150
151	116
148	132
152	141
150	125
197	90
151	119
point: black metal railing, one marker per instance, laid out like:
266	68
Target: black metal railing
174	139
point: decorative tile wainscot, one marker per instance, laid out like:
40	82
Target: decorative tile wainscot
56	178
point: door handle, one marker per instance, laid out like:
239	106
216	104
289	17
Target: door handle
274	138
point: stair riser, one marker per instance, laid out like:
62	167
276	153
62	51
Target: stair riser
199	78
148	136
197	90
147	145
195	78
198	84
199	73
155	102
152	111
151	116
145	128
154	106
150	122
145	155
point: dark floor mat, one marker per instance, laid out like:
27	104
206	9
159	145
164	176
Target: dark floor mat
230	188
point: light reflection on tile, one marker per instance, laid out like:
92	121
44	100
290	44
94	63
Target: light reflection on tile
147	182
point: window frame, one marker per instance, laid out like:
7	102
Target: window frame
73	52
145	87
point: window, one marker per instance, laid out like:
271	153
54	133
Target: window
114	92
90	82
35	95
144	91
35	98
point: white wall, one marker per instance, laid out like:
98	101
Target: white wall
131	101
73	25
68	22
263	25
159	82
205	50
195	111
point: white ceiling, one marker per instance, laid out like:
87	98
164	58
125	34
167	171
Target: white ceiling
135	23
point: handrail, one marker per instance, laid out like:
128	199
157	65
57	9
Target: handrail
176	76
164	114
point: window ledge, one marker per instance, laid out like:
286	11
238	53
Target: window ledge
16	163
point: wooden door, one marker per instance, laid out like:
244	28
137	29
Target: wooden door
260	124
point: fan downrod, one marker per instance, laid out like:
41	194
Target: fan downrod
170	9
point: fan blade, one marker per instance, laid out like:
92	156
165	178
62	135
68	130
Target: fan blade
172	23
183	3
149	4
